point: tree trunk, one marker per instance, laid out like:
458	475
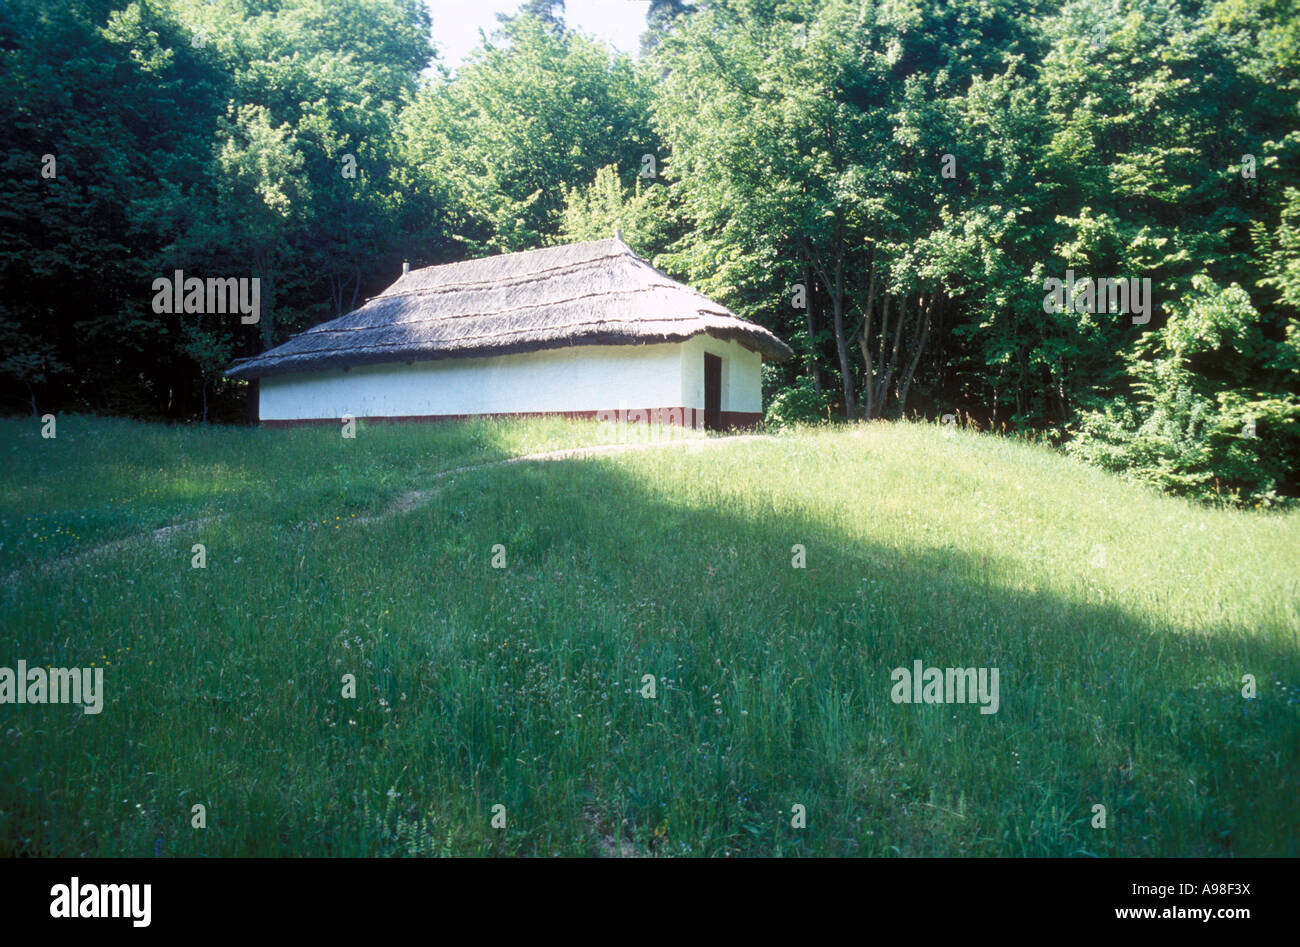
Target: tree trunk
919	339
339	282
864	342
881	396
893	355
266	321
867	400
252	406
841	343
812	330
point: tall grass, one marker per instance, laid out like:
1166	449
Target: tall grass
101	479
1122	623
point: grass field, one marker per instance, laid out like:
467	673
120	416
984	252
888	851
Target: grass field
1122	624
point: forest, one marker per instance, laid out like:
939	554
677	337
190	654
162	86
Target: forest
1075	222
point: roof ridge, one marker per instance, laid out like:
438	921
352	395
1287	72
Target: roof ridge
557	248
717	308
498	281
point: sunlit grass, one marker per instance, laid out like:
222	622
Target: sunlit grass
1121	673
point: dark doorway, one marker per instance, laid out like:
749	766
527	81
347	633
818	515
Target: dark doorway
712	393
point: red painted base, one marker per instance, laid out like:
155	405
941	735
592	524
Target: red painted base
677	417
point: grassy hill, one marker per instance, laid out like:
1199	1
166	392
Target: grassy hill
1121	622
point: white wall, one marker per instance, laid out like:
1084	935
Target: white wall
742	378
579	378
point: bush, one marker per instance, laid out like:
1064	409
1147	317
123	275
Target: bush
798	404
1238	451
1212	436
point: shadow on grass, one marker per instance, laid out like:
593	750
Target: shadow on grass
523	687
105	480
1098	705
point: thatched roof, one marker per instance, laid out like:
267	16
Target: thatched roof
597	293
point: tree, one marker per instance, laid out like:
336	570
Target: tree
548	12
806	142
149	136
502	144
1234	438
28	358
660	18
606	206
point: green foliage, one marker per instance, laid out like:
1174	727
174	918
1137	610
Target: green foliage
549	12
605	206
798	403
1112	139
194	136
1189	434
521	125
660	19
1280	251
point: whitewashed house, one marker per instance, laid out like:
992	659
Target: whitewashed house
584	330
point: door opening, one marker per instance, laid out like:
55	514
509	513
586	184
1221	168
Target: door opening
712	393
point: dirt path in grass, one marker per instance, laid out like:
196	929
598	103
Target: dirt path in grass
405	503
413	499
117	545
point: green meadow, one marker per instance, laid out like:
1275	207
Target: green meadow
500	624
